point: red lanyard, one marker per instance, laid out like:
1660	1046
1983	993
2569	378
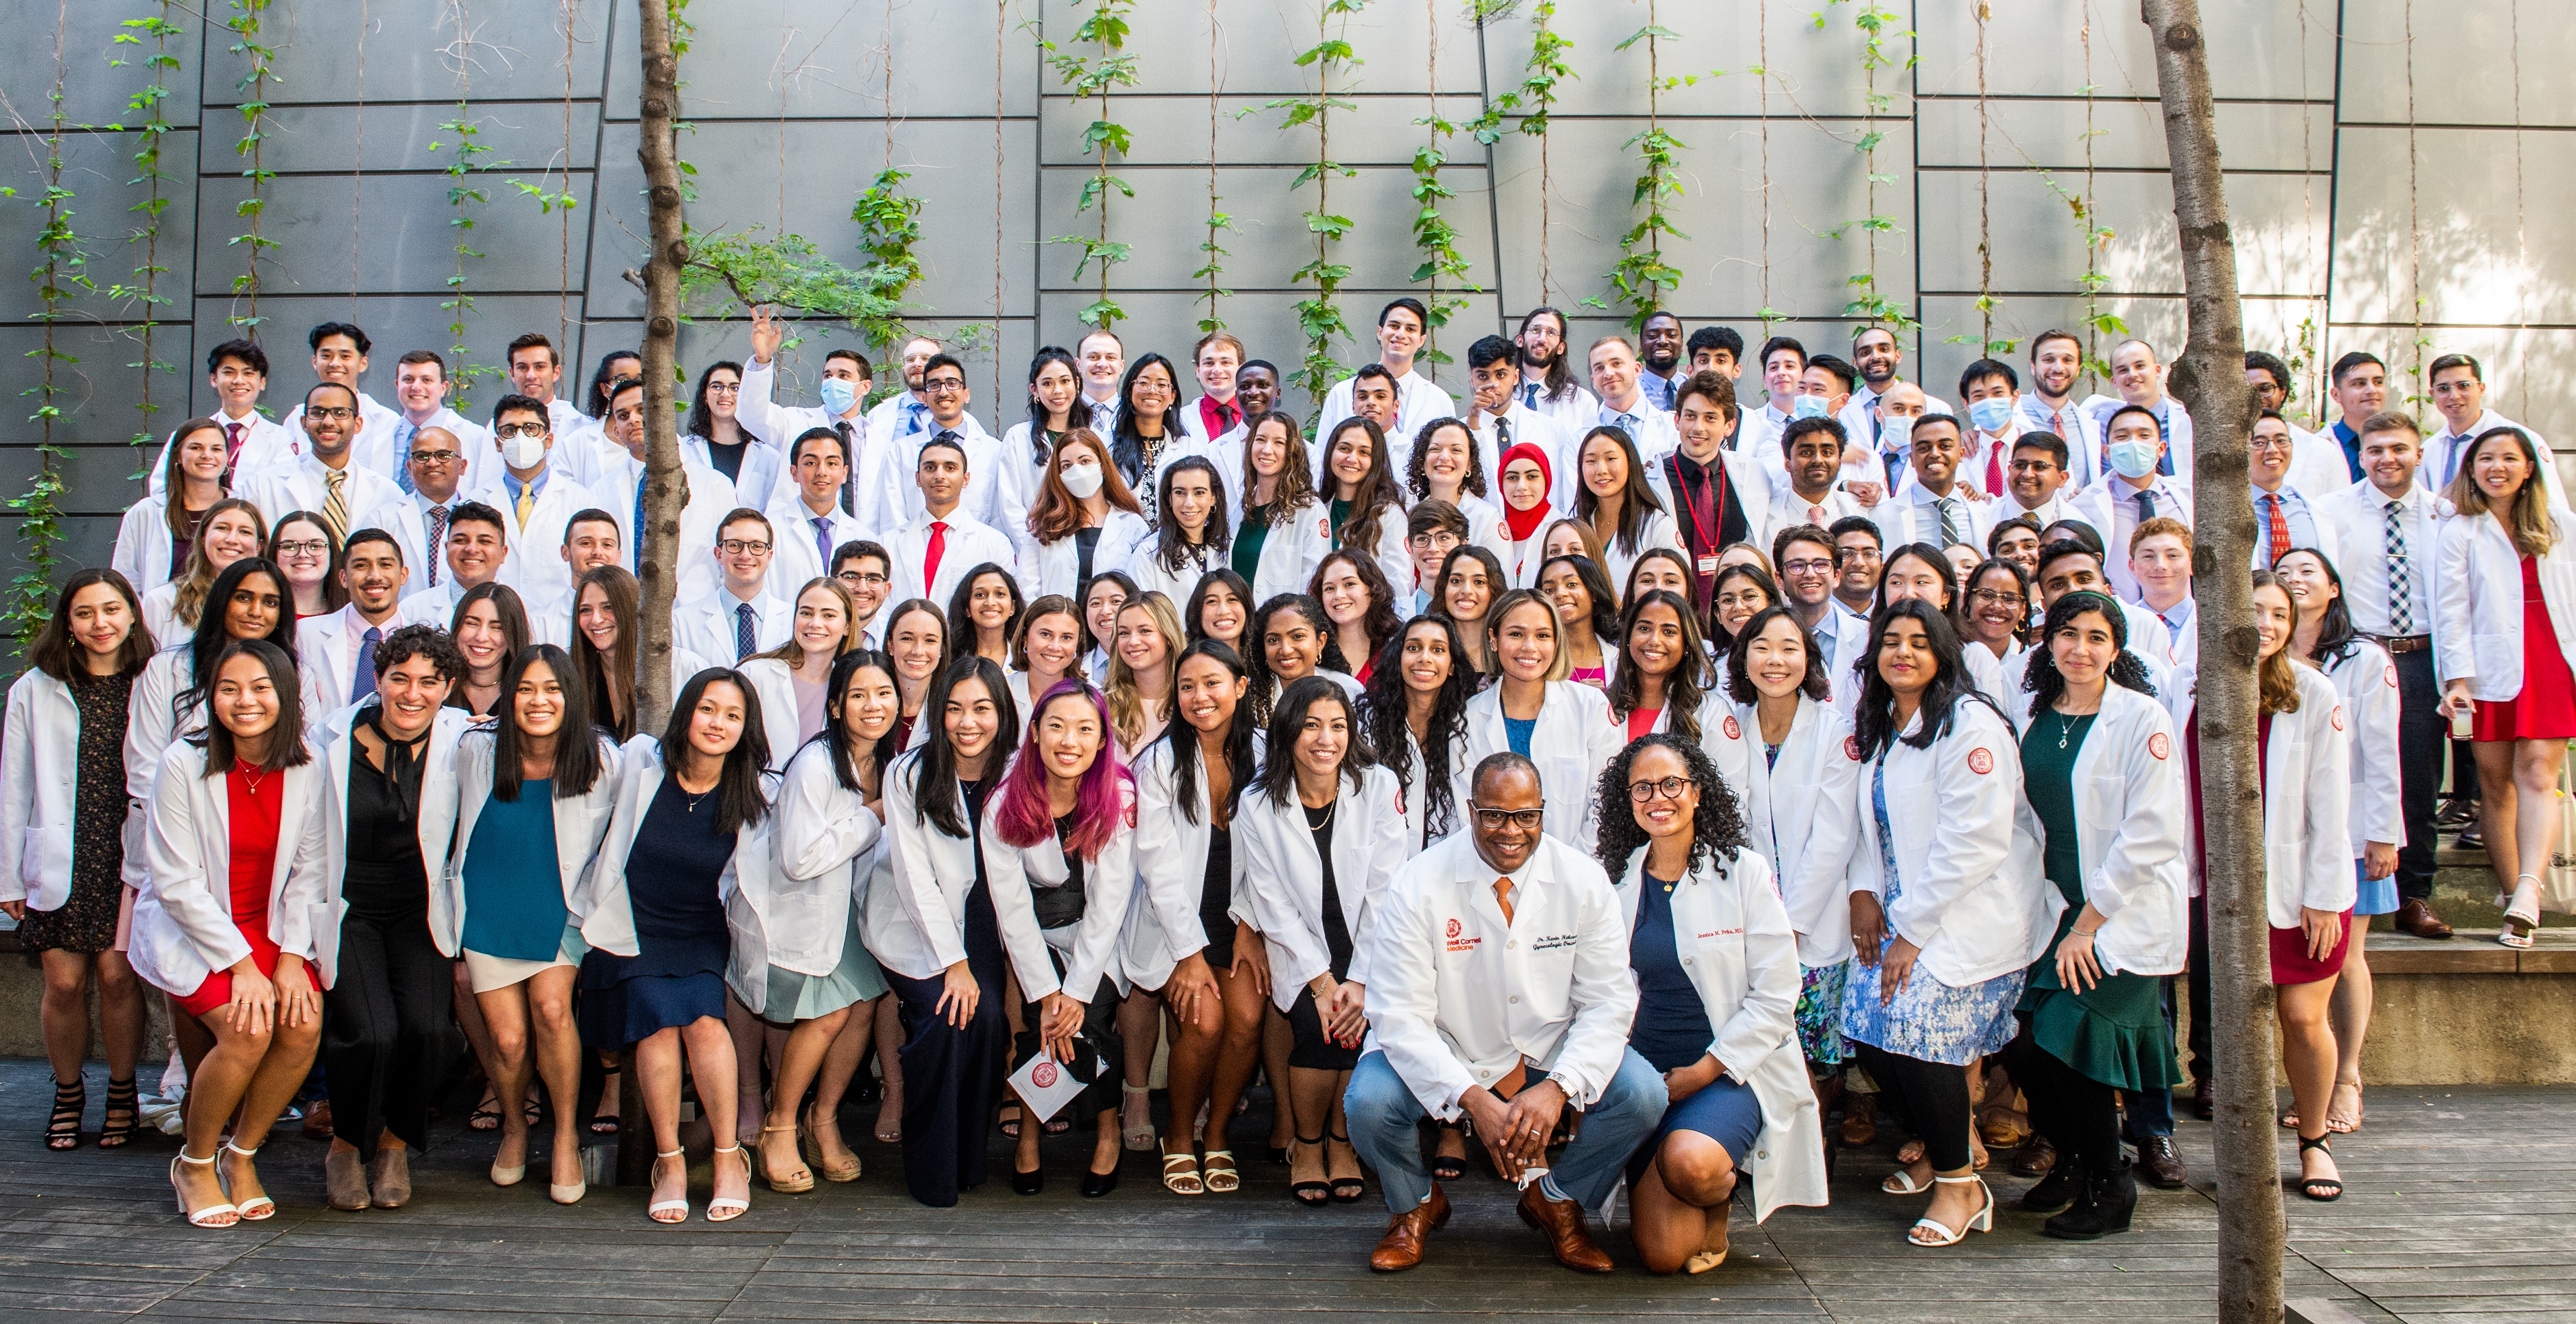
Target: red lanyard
1716	495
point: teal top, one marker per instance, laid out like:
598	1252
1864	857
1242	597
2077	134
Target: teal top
514	895
1247	544
2048	751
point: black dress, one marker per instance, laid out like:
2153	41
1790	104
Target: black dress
677	975
1313	1047
88	919
386	1037
1216	899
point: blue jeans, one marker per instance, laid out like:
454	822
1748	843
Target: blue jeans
1383	1114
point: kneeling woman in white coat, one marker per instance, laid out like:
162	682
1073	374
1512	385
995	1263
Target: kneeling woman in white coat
1717	984
943	931
225	922
2102	793
1535	712
2308	881
1946	925
691	827
1321	835
1062	831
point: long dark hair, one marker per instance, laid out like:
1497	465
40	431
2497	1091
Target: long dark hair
1039	451
1170	547
1242	759
595	402
2336	638
1954	598
1383	707
577	758
57	654
1596	586
1682	689
1127	592
1279	751
1379	621
1634	501
934	789
835	734
702	420
2042	678
1874	725
1373	497
1717	634
1818	684
286	748
1717	827
739	801
1126	444
598	674
1259	661
1192	616
961	606
1296	489
207	646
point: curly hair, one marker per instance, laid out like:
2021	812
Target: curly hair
1690	677
1378	620
1717	827
2046	683
1383	709
1417	476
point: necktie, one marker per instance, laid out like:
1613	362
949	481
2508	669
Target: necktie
745	631
2280	529
2401	575
335	504
527	503
437	541
1949	507
1502	439
823	542
1816	516
232	451
930	559
635	530
2146	504
1995	467
850	470
403	433
1503	897
364	683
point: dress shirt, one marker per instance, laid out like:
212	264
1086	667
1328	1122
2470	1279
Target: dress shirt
2179	619
2071	425
304	484
1650	428
2058	506
1916	517
970	542
1859	416
1571	406
2350	442
873	475
534	567
373	447
1658	389
329	646
709	626
2171	419
1104	414
2112	509
800	555
2358	515
422	537
2295	512
1417	401
264	442
1788	508
993	493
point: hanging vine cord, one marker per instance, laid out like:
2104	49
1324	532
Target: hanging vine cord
152	123
2414	216
358	164
253	85
1985	179
1001	25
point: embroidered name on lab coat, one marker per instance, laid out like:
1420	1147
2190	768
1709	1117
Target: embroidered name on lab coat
1720	933
1552	942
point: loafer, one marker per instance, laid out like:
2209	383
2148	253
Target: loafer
2035	1158
317	1120
1561	1222
2160	1164
1407	1233
2416	916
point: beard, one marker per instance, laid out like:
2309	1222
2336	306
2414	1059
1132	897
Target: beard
1663	364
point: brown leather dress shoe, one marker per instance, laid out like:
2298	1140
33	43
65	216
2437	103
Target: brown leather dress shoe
1860	1119
2204	1099
1401	1247
317	1120
1561	1222
2160	1164
2035	1158
2416	916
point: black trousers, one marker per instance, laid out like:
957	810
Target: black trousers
1106	1070
952	1074
387	1035
2421	731
2075	1111
2202	1066
1934	1094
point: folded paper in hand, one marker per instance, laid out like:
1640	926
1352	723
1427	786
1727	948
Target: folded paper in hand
1048	1085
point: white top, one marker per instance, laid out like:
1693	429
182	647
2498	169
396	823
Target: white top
2307	831
39	780
580	822
1802	815
2367	679
1089	945
880	482
829	846
1417	401
264	442
2359	516
2478	614
1571	743
916	907
282	489
183	916
707	624
969	542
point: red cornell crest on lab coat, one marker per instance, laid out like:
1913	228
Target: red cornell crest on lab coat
1980	761
2158	745
1453	928
1733	731
1851	748
2336	717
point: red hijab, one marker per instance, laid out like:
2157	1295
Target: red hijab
1523	523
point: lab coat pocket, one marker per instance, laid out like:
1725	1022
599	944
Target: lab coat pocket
31	853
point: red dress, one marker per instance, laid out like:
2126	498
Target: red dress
254	860
2546	708
2291	963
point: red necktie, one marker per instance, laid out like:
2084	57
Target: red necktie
2280	529
232	450
930	559
1995	467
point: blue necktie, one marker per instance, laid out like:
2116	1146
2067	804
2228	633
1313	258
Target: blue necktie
364	683
744	636
823	542
636	529
403	433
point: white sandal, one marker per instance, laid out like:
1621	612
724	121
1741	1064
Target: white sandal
654	1210
1982	1221
2522	915
257	1207
1901	1182
213	1215
725	1208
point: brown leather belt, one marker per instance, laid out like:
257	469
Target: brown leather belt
2402	643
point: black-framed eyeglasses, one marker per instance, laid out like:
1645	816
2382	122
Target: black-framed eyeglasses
942	386
521	430
315	547
739	547
1527	820
336	413
860	577
1670	788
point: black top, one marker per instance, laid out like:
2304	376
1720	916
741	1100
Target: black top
671	877
727	459
1709	516
1085	542
1059	906
385	880
1337	930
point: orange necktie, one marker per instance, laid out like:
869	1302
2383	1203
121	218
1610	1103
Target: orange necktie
1503	897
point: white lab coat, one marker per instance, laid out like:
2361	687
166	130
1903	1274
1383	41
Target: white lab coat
710	499
142	552
2366	677
183	917
535	566
282	489
325	652
756	481
373	447
994	486
433	824
794	560
1901	521
1753	490
704	625
402	516
1458	996
1417	402
1802	815
2477	603
2307	802
1553	436
1655	530
38	794
2177	428
1295	548
1056	567
150	726
829	845
1736	946
1089	946
2131	825
1570	744
1972	878
1286	877
1394	559
264	442
1171	864
1143	564
581	821
743	886
915	922
880	479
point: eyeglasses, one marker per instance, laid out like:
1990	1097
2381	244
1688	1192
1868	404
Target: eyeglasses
337	414
435	458
724	388
1670	788
520	430
1987	597
1805	567
1526	820
860	577
316	547
943	386
739	547
2263	443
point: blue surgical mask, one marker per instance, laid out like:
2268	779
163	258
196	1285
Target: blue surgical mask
838	396
1808	406
1990	414
2133	459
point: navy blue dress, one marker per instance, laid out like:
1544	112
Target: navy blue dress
677	975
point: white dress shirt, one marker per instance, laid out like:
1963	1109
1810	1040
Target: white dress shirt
2169	412
1916	517
874	475
1574	405
2083	437
970	542
2112	508
2358	515
329	645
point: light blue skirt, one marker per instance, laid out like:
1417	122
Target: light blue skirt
801	997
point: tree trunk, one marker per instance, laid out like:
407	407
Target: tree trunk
2210	380
666	491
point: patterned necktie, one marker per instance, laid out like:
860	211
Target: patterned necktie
232	451
1503	897
930	559
437	541
404	431
2401	575
364	683
1949	507
745	631
335	503
635	531
2280	529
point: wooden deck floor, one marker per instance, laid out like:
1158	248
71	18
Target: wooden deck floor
2457	1210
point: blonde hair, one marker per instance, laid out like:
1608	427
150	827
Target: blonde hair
792	652
2527	522
1558	667
199	578
1126	702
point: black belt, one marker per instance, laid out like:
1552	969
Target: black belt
2402	643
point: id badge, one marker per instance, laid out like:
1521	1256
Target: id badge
1707	566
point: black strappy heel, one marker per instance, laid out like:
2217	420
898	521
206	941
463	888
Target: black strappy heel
62	1130
1312	1194
2320	1189
1445	1167
121	1098
1358	1186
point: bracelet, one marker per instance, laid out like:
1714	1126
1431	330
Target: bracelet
2084	935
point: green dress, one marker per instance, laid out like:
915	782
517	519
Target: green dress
2116	1032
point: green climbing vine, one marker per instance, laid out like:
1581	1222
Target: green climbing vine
1528	105
1213	270
889	225
63	272
1432	232
244	24
1878	26
1640	279
463	194
141	290
1093	75
1319	316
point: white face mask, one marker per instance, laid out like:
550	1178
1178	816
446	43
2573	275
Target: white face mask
523	452
2133	459
1083	480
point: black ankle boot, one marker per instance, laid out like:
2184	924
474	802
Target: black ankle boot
2063	1185
2103	1207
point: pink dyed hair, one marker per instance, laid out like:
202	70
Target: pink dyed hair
1105	802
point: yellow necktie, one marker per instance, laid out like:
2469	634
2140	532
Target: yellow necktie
527	502
335	506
